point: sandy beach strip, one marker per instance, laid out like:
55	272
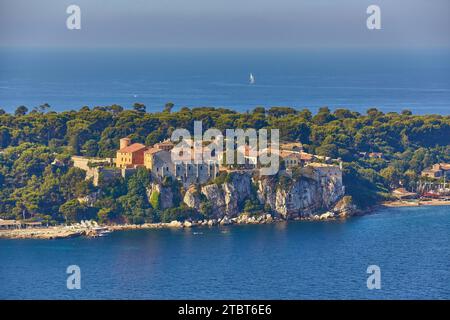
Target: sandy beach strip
393	204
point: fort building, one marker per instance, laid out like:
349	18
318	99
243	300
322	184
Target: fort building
158	160
130	155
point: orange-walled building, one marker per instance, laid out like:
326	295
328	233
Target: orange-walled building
130	155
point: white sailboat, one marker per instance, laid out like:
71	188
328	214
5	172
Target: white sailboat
251	79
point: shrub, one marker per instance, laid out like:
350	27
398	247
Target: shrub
154	200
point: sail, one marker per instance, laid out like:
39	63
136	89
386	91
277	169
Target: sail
252	79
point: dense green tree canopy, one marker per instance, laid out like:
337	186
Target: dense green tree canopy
32	185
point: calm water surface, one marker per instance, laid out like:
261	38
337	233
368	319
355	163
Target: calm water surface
358	79
298	260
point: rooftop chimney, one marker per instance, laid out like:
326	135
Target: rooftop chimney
124	142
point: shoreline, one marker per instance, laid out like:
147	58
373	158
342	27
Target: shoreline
399	203
66	232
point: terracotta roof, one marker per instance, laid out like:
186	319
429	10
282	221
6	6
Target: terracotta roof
152	150
165	142
306	156
291	145
375	154
301	156
133	148
403	192
247	151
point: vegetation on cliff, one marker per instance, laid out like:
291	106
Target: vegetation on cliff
34	185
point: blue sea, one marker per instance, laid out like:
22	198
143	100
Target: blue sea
296	260
358	79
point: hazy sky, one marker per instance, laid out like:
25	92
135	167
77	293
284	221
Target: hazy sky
225	23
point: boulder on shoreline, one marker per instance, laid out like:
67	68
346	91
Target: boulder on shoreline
326	215
343	209
225	221
175	224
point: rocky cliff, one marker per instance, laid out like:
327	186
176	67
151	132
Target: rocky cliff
165	195
285	195
299	197
226	199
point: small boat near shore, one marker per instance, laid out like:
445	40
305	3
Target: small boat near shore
98	232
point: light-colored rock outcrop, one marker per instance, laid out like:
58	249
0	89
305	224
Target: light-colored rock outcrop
175	224
192	198
225	221
90	199
226	199
326	215
299	197
345	207
165	195
286	196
